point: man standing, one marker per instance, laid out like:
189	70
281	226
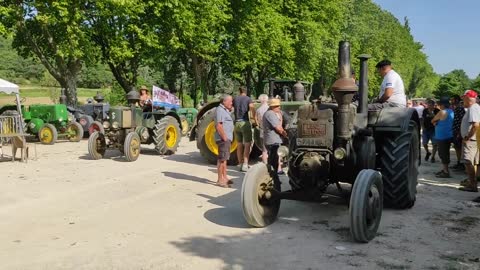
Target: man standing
272	137
259	117
428	129
459	112
392	90
468	128
223	138
243	129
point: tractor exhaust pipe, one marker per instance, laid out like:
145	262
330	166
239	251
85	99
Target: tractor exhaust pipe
133	97
343	90
363	88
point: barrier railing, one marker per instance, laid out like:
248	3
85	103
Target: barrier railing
11	126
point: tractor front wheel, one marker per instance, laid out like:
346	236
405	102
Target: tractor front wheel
96	126
131	146
185	125
48	134
260	209
74	132
366	205
96	145
167	135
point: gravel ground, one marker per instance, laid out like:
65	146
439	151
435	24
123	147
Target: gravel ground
65	211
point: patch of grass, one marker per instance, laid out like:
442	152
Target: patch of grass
40	91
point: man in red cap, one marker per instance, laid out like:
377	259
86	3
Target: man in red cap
468	129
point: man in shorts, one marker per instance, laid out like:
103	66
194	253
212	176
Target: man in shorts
468	129
223	138
243	129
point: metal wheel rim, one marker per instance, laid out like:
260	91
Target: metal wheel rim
46	135
171	136
135	147
373	207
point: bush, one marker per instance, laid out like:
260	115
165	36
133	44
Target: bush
116	95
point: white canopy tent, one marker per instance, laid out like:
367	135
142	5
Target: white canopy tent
8	87
11	88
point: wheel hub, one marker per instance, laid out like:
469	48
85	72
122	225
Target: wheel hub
373	205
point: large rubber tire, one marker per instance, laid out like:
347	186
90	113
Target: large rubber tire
96	145
96	126
131	146
206	123
366	205
185	125
48	134
399	166
85	121
76	130
258	212
167	135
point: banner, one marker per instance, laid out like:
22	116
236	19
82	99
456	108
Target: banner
163	98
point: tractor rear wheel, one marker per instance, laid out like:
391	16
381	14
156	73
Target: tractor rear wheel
259	208
399	166
366	204
74	132
48	134
131	146
96	145
96	126
206	140
185	125
167	135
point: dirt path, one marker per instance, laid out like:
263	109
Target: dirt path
64	211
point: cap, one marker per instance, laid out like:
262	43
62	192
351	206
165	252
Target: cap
383	63
470	94
274	102
143	87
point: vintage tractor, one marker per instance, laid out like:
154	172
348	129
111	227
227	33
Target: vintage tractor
90	115
293	93
377	152
187	117
49	122
128	127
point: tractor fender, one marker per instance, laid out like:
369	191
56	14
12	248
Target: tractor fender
175	115
203	110
393	119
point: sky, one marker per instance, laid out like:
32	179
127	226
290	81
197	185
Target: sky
448	29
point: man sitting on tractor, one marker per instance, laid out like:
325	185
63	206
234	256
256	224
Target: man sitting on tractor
392	90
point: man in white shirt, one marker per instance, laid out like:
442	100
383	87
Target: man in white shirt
392	90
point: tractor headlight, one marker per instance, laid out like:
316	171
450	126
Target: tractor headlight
115	125
339	153
31	125
282	151
70	118
106	124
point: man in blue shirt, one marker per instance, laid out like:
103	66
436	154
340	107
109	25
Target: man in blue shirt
223	138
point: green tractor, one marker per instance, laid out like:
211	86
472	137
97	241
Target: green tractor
187	117
129	127
49	122
293	94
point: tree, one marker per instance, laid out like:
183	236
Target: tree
54	32
126	34
476	83
453	83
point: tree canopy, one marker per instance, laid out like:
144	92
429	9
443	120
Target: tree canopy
206	47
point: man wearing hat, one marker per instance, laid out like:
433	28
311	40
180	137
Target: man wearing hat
392	90
443	122
144	96
468	128
272	137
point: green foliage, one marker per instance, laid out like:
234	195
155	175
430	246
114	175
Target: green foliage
476	83
115	95
454	82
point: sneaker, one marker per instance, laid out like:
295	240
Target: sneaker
427	156
281	172
459	167
432	160
244	167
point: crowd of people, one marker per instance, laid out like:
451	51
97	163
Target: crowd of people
452	122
